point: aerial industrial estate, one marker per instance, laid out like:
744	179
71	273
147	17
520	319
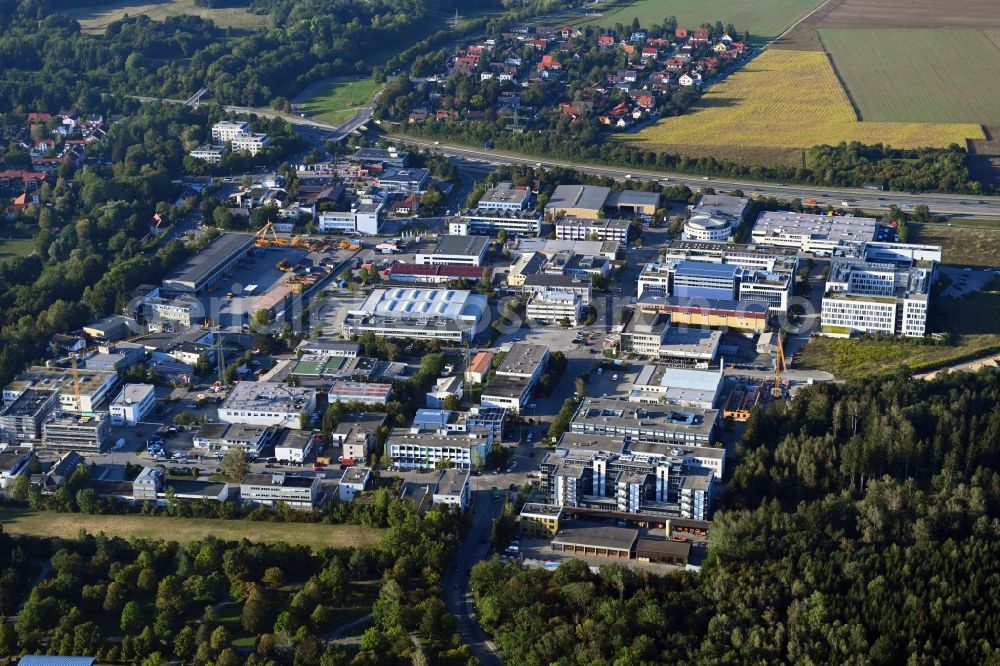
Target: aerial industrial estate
406	341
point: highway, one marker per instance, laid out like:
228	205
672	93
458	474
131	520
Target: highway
952	205
956	205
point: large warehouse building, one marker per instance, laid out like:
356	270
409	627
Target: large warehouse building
206	268
442	314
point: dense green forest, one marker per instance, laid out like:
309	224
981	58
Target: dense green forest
861	527
212	602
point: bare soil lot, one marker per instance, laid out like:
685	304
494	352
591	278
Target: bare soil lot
907	14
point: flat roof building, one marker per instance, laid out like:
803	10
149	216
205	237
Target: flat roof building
226	437
132	404
577	228
579	538
543	283
93	386
456	251
453	489
411	448
205	268
490	221
683	387
658	424
267	403
819	234
298	492
585	201
706	312
444	314
505	197
872	297
369	394
356	434
524	360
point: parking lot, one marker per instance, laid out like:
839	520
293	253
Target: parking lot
965	282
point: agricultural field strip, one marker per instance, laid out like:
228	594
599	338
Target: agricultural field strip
918	75
789	99
764	20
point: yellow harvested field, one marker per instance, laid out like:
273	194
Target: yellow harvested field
789	99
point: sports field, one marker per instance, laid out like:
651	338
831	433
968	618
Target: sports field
94	18
763	19
787	99
68	525
919	75
338	101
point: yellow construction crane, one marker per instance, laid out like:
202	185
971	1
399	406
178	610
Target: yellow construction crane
262	239
779	366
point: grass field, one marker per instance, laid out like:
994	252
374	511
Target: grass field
337	102
973	321
14	248
95	18
787	99
962	243
66	525
763	19
919	75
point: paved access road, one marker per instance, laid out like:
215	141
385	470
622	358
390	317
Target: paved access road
457	591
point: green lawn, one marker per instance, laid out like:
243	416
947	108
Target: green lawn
972	321
763	19
66	525
14	248
337	102
96	17
919	75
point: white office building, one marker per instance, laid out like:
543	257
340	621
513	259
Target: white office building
267	403
209	153
554	307
227	130
869	297
412	448
132	404
488	222
298	492
453	489
81	394
715	218
250	143
819	234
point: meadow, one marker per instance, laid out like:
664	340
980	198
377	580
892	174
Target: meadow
963	243
337	101
762	19
919	75
787	99
68	525
95	18
13	248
